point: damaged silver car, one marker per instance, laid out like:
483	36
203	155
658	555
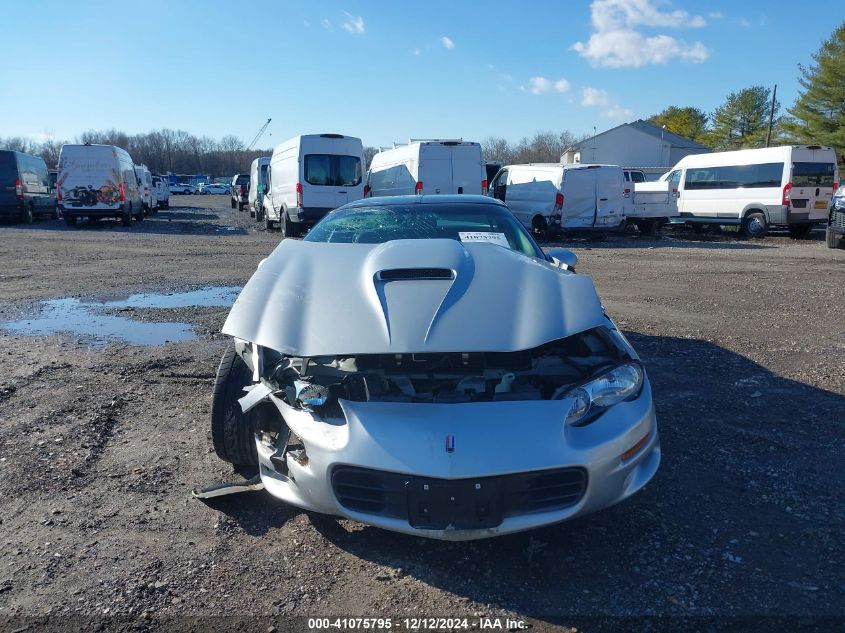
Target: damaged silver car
421	365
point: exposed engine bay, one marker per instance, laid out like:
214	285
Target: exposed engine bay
544	373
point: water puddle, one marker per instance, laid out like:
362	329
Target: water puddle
90	320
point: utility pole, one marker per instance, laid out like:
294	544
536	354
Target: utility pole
771	116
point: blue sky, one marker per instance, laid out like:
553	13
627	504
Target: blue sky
387	71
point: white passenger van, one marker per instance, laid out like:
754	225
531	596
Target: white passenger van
258	185
309	176
428	166
98	181
757	188
548	197
148	195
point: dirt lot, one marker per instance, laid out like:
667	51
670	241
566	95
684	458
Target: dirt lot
100	446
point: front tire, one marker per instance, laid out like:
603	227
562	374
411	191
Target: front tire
754	225
232	431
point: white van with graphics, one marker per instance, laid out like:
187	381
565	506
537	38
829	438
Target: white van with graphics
98	181
757	188
428	166
548	197
309	176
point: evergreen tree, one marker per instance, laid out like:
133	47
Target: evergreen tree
818	115
743	120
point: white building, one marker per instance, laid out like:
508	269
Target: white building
639	144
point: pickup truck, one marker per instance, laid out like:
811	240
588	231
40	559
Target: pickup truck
650	205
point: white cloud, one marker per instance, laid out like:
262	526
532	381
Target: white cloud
416	52
306	23
618	112
541	85
616	43
715	15
594	97
354	24
326	24
447	43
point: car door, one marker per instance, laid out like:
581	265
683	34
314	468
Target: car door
436	169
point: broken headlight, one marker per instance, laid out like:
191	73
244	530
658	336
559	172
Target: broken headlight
621	383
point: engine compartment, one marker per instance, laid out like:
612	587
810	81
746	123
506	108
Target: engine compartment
543	373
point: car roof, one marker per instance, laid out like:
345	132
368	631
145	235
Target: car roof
424	199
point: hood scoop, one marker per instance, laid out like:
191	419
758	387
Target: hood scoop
416	274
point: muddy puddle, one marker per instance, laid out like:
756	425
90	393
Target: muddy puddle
96	323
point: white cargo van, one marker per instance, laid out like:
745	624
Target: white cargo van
148	196
757	188
548	197
258	185
309	176
98	181
428	166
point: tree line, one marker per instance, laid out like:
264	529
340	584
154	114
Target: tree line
162	151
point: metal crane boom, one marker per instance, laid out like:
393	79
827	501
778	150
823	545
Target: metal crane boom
258	135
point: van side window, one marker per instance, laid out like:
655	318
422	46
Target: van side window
735	176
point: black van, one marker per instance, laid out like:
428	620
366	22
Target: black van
25	190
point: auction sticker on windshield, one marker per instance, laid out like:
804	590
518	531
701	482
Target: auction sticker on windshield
483	236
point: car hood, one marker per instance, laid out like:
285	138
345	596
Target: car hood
315	299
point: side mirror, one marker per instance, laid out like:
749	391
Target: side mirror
563	256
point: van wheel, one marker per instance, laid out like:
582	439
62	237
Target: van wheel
833	239
126	216
538	225
70	220
800	231
28	215
268	223
56	211
754	225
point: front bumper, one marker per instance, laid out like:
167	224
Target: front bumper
491	441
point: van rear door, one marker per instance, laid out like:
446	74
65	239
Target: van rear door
435	168
467	169
328	180
813	178
579	198
609	199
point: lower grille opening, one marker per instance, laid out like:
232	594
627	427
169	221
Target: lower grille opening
460	503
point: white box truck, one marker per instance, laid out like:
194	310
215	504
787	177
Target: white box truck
97	181
550	197
310	175
430	166
258	186
757	188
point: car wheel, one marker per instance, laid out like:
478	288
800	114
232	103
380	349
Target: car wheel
538	226
754	225
28	214
834	240
800	231
126	216
70	220
232	431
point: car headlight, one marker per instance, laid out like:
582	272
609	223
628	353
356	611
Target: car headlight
621	383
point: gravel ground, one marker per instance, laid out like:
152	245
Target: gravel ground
100	445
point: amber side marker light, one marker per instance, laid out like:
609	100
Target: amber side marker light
636	447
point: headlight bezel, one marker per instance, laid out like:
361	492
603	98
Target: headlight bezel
583	390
